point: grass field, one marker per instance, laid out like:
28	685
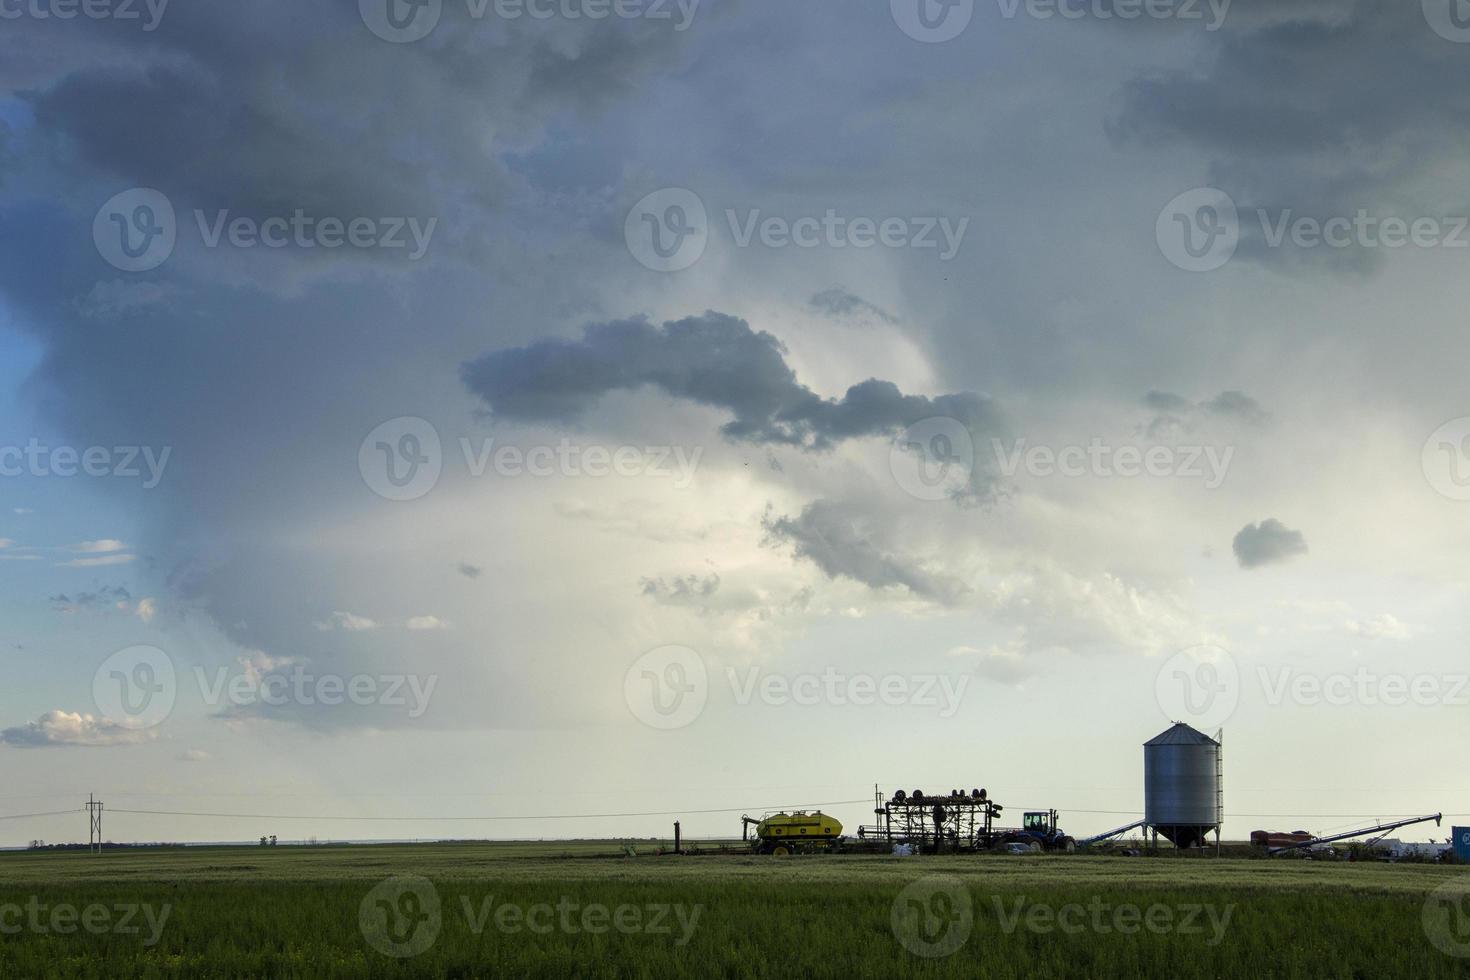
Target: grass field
580	909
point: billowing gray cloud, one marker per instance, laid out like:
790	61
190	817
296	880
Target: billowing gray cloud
843	542
1267	543
1303	110
716	360
307	111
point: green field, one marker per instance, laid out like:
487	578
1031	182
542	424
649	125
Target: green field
583	910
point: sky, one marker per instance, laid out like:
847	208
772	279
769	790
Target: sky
556	419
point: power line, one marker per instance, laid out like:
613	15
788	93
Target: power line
542	816
52	813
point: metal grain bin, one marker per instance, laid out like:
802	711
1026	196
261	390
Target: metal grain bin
1182	798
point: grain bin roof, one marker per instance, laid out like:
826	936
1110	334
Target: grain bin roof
1181	734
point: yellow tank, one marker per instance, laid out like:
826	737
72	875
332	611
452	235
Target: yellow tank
784	833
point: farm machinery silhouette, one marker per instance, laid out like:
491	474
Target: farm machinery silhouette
957	822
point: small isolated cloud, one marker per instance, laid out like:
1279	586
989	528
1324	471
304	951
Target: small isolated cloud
1237	405
1267	543
1384	627
6	543
1175	414
838	302
61	728
194	755
97	562
347	622
108	597
147	609
681	590
427	623
21	511
105	546
470	571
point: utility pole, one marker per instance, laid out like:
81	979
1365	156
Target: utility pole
94	824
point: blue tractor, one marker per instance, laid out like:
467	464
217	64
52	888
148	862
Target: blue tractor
1039	832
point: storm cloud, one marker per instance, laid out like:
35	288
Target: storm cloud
716	360
844	543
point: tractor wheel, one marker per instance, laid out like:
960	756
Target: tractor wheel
780	850
1068	845
1034	847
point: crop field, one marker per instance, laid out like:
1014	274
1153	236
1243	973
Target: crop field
585	909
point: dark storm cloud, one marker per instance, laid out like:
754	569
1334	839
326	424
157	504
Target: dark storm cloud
1310	109
264	396
300	108
715	360
844	543
1267	543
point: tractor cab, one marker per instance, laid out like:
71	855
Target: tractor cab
1040	822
